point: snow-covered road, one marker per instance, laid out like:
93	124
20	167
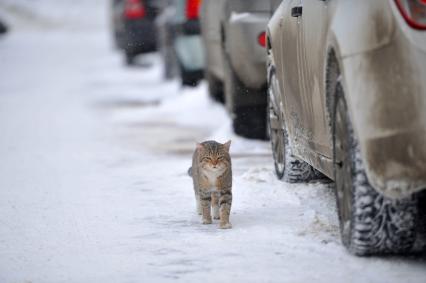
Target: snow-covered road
93	184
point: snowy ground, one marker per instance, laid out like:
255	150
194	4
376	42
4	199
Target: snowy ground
93	184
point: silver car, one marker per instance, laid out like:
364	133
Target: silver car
347	96
234	38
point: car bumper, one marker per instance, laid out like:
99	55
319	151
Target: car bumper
140	36
188	46
247	56
190	52
388	101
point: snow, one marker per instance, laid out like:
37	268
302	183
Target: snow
93	183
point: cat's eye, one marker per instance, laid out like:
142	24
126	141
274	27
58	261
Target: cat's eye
206	159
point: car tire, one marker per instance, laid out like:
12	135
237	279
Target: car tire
129	59
287	167
370	223
216	90
190	78
3	28
248	121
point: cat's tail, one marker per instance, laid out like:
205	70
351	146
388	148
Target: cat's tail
190	172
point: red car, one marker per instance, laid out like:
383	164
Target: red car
133	26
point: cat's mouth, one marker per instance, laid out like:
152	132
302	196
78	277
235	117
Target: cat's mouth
215	169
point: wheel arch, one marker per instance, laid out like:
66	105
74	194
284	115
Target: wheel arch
334	73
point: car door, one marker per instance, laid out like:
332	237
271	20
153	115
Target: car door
291	103
313	29
304	38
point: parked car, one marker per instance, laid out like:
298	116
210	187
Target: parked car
347	96
3	27
166	39
180	39
212	19
133	26
234	38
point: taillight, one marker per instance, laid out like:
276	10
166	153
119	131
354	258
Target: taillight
134	9
192	9
261	39
414	12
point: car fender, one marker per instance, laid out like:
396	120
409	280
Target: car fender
371	26
372	91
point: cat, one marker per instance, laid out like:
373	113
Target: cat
211	173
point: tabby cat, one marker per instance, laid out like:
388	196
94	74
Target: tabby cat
211	173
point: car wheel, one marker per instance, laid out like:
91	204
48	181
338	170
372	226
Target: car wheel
190	78
3	28
130	59
215	88
287	167
370	223
247	120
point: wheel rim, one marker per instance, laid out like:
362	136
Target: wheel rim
275	123
343	165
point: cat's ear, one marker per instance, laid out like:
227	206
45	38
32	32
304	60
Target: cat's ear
227	145
199	146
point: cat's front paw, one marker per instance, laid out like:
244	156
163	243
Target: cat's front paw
207	221
225	225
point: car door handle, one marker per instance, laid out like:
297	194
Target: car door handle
296	11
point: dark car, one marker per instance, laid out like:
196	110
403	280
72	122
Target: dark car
3	27
133	26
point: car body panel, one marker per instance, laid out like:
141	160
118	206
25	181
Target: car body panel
391	117
188	51
140	36
188	44
135	36
211	19
242	6
247	57
230	32
383	71
370	26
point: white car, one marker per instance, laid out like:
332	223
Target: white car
347	97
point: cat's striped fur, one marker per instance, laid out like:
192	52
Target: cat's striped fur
211	173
